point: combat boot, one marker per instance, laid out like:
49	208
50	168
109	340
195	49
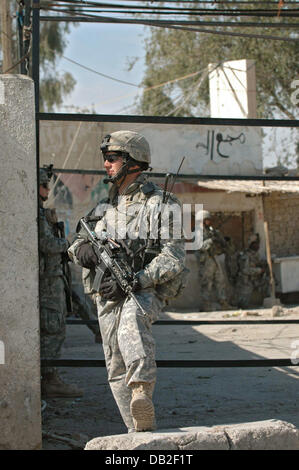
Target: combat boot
52	386
141	407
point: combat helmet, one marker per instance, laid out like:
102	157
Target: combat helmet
128	142
253	238
43	176
206	215
132	146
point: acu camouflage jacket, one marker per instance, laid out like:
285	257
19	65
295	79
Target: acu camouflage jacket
133	216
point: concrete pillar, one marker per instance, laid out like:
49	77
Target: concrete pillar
20	406
233	89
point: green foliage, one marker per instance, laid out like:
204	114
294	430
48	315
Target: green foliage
172	53
53	86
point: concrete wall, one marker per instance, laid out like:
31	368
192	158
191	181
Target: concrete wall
216	150
281	215
19	314
233	89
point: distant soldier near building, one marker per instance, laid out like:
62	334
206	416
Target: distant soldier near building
211	277
53	306
253	275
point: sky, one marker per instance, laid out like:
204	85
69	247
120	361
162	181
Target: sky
107	49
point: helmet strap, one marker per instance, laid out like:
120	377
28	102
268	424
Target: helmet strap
122	173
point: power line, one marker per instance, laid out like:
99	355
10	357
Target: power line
168	82
100	73
233	13
163	24
213	2
237	24
162	10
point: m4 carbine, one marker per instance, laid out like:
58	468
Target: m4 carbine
111	257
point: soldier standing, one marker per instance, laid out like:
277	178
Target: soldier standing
53	308
128	342
253	274
211	277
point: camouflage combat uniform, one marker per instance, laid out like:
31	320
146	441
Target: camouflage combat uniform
128	342
52	293
211	277
253	276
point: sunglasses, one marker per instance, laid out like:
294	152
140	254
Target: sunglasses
111	158
45	185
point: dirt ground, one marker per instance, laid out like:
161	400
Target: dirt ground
185	397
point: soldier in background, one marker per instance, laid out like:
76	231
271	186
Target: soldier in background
53	306
253	275
211	277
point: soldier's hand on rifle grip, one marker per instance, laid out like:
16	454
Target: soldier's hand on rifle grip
110	290
135	284
86	256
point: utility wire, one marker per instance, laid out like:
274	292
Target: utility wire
162	10
184	77
100	73
234	13
144	90
237	24
213	2
163	24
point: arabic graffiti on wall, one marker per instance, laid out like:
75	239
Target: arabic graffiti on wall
215	143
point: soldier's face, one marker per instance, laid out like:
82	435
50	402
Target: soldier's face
254	246
112	163
44	191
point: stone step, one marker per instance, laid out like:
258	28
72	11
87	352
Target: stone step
260	435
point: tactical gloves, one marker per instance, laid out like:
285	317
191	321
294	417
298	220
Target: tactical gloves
110	290
86	256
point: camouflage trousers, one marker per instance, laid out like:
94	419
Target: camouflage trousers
243	294
212	281
129	346
249	293
52	318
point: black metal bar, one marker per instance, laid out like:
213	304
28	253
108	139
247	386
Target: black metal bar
199	322
169	120
186	176
35	52
35	72
27	34
19	20
180	363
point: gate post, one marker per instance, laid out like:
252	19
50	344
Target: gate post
20	404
